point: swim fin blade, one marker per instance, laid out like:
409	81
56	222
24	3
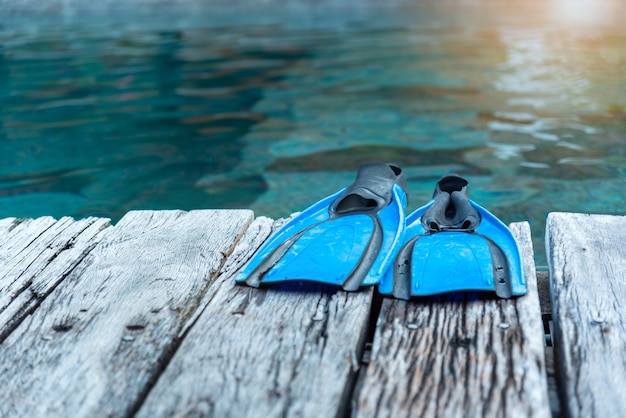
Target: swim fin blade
453	244
347	239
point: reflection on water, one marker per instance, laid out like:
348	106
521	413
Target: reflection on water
129	119
275	109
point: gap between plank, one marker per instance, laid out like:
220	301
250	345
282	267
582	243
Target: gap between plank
37	298
203	299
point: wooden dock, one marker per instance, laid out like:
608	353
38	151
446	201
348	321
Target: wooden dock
143	319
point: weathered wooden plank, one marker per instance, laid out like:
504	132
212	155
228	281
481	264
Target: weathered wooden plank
98	341
460	355
587	263
6	225
277	352
35	256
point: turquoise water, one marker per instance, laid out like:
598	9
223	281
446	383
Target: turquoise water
273	108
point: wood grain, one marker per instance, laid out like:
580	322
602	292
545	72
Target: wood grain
35	256
587	260
285	351
460	355
96	344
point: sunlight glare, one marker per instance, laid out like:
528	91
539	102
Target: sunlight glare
581	11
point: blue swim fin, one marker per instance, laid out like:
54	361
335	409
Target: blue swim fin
453	244
348	239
